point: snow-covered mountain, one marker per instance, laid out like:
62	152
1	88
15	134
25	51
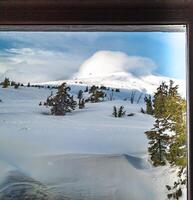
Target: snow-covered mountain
123	80
118	70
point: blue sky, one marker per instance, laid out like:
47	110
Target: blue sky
60	54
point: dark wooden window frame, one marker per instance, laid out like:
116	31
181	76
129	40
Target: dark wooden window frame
74	14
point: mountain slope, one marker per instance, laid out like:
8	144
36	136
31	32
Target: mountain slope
146	84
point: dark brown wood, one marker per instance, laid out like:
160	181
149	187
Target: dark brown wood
109	12
190	109
94	11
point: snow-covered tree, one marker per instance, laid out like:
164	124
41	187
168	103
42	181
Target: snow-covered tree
6	83
93	88
96	95
62	102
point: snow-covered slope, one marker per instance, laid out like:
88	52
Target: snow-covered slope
87	154
146	84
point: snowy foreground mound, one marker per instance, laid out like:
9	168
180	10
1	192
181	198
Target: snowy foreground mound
87	154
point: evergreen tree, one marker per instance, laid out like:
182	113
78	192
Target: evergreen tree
86	89
6	83
97	95
142	110
103	87
114	111
81	102
149	108
13	83
93	89
28	85
16	86
80	94
62	102
158	144
169	111
121	112
118	112
176	110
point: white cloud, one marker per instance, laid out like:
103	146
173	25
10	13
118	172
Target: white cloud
103	63
35	65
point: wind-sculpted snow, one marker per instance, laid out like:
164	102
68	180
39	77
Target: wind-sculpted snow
19	186
79	177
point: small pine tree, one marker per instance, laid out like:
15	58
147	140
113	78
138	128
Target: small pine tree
103	88
93	89
96	94
115	111
149	107
28	85
81	104
118	112
62	102
81	101
121	112
158	144
86	89
6	83
13	83
142	110
80	94
16	86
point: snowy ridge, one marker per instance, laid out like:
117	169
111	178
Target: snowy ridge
123	80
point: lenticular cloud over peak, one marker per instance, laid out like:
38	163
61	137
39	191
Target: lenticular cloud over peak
104	63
